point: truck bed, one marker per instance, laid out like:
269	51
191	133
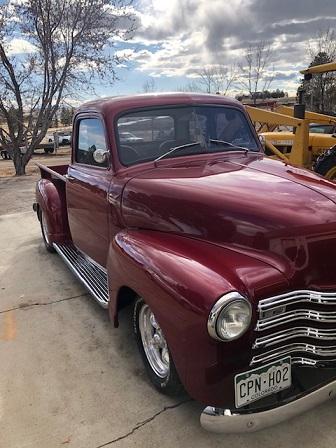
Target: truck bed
53	172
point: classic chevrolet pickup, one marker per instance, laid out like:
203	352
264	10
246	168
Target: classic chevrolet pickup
227	257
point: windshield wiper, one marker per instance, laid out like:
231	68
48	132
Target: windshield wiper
177	148
223	142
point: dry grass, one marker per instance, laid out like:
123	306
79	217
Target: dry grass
62	157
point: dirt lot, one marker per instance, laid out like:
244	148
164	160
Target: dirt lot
69	379
17	193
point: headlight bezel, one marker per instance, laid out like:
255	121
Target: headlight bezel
222	303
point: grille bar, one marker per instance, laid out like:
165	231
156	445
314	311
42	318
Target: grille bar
316	350
292	316
300	296
293	333
310	362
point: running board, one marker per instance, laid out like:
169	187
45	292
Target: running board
92	276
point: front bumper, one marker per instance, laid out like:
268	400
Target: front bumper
223	421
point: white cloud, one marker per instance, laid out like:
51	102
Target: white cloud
182	36
20	46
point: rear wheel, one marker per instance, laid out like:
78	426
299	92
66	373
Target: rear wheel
326	165
154	350
45	232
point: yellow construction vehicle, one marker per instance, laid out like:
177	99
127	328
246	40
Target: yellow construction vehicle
298	146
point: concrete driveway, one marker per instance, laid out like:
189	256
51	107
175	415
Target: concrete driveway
68	378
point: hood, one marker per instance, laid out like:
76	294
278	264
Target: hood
280	214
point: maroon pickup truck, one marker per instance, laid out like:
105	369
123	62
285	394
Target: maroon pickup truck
170	205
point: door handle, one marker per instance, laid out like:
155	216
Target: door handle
69	178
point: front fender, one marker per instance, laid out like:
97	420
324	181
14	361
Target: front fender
181	278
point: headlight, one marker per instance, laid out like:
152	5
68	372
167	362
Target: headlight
230	317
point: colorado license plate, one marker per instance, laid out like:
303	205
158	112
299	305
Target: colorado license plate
266	380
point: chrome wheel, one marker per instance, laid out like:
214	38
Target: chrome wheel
45	229
154	342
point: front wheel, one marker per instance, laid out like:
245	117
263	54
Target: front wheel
154	350
326	164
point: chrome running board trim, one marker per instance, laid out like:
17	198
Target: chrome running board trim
90	274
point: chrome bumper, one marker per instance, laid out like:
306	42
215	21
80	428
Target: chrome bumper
223	421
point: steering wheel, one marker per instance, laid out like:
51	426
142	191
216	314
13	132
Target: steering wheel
129	153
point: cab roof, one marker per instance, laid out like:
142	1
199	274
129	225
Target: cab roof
117	104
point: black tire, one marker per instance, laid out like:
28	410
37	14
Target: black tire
45	236
169	384
326	164
48	150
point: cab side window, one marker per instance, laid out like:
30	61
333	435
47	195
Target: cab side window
91	136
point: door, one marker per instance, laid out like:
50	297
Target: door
87	188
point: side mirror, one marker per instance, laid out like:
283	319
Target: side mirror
100	156
262	141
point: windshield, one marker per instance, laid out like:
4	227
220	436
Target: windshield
148	135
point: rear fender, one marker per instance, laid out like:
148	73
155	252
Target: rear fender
180	279
49	202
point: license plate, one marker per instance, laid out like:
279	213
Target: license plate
266	380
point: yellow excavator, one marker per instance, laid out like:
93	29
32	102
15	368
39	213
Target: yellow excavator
313	150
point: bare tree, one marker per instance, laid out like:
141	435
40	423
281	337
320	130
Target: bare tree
217	78
191	86
324	42
206	78
70	42
255	75
320	91
66	115
224	78
149	86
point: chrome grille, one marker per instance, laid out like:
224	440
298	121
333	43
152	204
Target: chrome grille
316	312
